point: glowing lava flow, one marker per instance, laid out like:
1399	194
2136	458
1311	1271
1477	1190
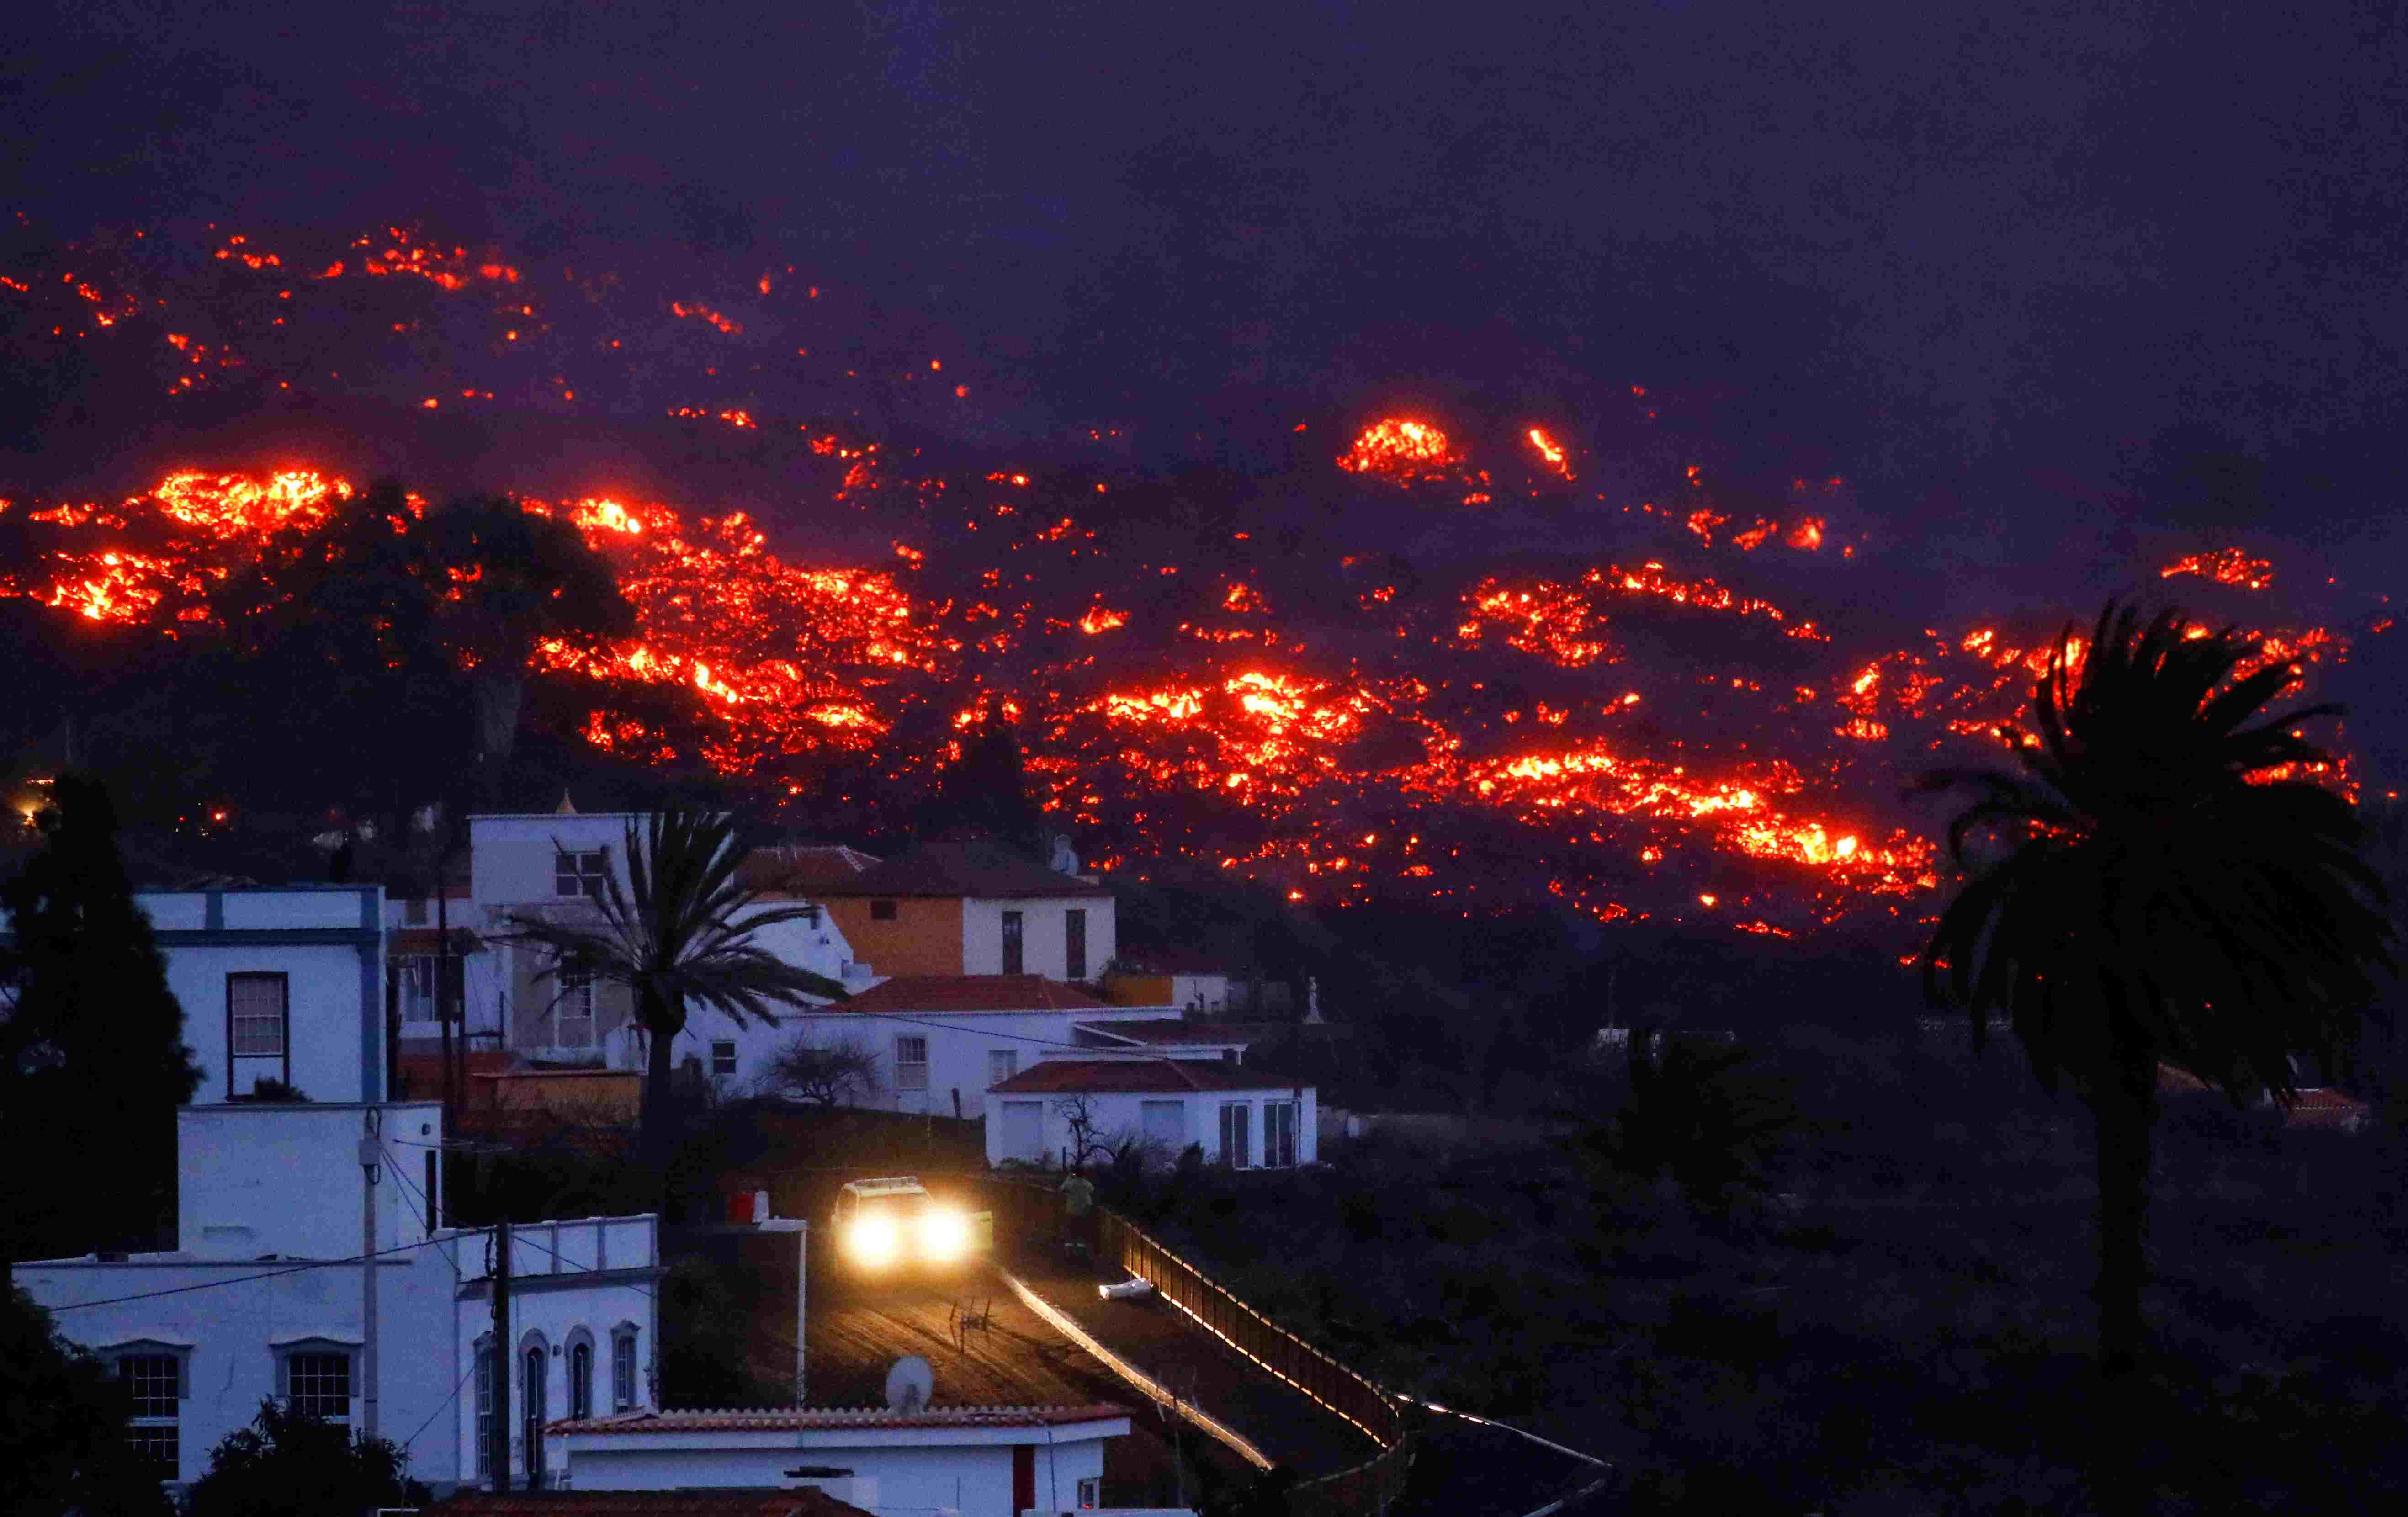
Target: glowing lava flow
1464	746
1400	449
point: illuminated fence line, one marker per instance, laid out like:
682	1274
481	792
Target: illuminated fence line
1368	1488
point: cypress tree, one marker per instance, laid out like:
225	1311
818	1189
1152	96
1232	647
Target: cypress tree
93	1059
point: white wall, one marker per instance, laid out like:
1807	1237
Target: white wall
916	1470
1121	1113
427	1326
554	1291
959	1044
1041	934
510	857
334	990
285	1180
230	1330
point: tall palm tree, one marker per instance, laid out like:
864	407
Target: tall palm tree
677	934
2158	885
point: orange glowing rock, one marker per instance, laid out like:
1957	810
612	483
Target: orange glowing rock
1400	449
1550	451
2225	565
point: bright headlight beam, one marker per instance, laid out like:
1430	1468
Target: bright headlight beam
871	1241
944	1234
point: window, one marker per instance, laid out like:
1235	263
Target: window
485	1407
580	1376
433	1194
882	910
413	911
579	873
1074	945
1091	1492
722	1058
910	1063
318	1384
1001	1065
532	1382
573	1012
1236	1146
255	1016
1011	954
622	1368
1279	1135
155	1388
1164	1122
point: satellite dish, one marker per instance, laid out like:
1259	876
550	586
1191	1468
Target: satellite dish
910	1384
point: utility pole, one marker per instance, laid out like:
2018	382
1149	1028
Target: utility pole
501	1454
371	1151
802	1280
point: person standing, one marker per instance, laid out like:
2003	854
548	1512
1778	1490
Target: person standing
1078	1206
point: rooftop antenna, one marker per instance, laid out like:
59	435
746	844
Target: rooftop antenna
910	1384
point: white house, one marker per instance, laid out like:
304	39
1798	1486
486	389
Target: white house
553	865
942	1040
976	1461
284	984
263	1295
263	1292
1237	1117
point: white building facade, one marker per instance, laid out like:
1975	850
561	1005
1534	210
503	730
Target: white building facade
277	1202
976	1461
940	1041
284	985
1229	1112
554	867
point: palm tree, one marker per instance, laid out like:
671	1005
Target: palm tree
676	935
2159	885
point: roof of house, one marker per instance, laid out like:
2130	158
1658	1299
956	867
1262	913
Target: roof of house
2327	1108
804	869
801	1419
1117	1077
970	992
982	869
1172	1033
804	1502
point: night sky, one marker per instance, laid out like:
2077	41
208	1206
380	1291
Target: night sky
1937	231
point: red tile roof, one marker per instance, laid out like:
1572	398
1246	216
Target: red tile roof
1171	1032
982	870
801	1419
2328	1108
908	993
806	869
1115	1076
804	1502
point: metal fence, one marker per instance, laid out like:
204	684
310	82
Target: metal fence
1368	1488
1030	1209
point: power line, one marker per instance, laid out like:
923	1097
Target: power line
243	1280
438	1410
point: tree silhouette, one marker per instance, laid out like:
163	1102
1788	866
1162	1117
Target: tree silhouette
678	932
2156	886
92	1060
509	579
62	1428
291	1463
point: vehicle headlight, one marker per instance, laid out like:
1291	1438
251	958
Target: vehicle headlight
944	1235
871	1241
